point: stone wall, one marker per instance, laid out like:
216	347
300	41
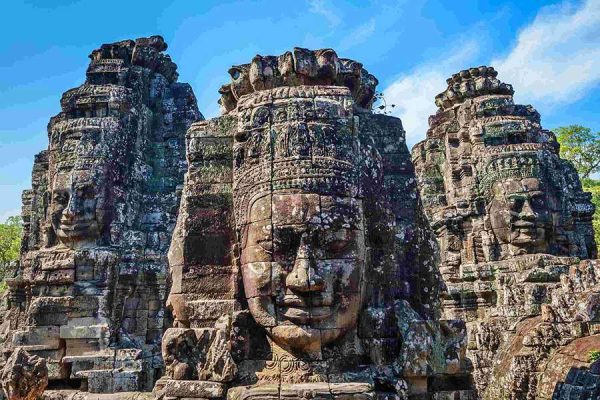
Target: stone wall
90	293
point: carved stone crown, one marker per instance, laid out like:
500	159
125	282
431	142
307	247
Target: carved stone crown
299	67
472	82
512	165
298	138
115	58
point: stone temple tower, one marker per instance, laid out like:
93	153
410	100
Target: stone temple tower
512	223
301	261
89	296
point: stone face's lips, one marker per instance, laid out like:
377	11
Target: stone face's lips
524	231
75	227
305	302
306	315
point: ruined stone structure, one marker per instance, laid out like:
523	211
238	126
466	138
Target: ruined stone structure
90	293
512	223
24	376
302	260
301	265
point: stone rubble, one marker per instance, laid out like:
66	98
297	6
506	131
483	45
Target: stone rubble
24	376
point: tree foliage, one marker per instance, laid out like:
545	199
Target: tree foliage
593	355
593	186
10	244
580	146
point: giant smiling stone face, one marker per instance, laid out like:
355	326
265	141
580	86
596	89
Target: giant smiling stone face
77	212
303	260
519	214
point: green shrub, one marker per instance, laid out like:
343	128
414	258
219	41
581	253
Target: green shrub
593	355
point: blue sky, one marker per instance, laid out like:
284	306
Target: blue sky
549	51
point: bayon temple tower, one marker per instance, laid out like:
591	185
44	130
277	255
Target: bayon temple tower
293	248
512	224
89	296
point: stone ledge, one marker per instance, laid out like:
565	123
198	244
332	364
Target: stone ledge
190	389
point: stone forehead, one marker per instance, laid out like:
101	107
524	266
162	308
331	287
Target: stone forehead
300	208
517	185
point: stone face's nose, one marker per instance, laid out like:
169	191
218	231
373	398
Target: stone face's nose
527	212
303	277
70	210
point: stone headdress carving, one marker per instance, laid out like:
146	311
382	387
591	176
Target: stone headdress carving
508	166
300	67
280	145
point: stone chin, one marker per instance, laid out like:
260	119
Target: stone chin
324	326
78	234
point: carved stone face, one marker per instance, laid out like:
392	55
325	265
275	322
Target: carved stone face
76	211
519	215
302	264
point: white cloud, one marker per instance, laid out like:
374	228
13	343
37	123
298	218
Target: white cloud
358	35
413	94
320	7
556	59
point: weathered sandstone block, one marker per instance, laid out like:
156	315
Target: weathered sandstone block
24	376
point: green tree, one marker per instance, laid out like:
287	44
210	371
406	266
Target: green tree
580	146
593	186
10	243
